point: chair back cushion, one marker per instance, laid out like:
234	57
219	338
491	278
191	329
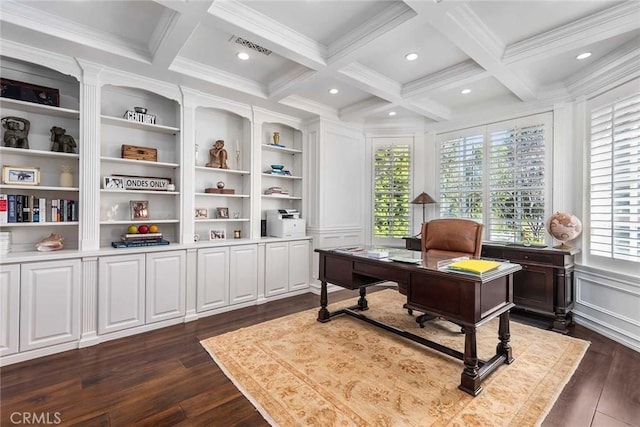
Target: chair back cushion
456	237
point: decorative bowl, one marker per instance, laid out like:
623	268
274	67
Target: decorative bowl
278	167
141	110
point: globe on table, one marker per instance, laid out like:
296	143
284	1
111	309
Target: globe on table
564	227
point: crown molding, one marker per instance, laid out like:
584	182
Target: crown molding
216	76
619	66
111	76
197	99
475	28
456	76
393	16
271	33
614	21
22	15
61	63
262	115
163	30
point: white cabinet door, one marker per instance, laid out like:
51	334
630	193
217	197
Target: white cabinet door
212	279
9	308
243	273
50	303
299	265
166	285
276	268
121	292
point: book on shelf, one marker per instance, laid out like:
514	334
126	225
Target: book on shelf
351	250
140	236
4	209
474	266
140	243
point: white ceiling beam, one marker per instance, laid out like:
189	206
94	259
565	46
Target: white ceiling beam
306	104
346	48
467	31
219	77
450	78
364	108
23	15
172	32
236	18
285	84
390	90
609	23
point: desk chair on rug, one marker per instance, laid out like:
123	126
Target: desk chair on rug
450	237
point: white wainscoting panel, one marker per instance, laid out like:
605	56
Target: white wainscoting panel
609	304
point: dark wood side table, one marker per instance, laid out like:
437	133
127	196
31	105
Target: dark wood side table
545	285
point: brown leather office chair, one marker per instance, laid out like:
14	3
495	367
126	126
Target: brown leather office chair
450	237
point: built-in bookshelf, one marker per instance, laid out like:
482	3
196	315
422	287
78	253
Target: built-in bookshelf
32	176
163	137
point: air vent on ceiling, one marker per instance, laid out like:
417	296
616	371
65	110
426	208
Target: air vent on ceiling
253	46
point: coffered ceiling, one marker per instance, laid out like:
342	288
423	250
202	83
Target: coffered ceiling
510	54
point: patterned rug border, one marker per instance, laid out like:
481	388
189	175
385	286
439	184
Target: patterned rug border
571	368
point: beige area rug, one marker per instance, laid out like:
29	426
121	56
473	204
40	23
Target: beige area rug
297	371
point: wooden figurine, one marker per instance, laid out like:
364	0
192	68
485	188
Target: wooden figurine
218	156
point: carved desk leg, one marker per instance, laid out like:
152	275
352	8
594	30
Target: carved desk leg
504	334
470	380
323	313
362	302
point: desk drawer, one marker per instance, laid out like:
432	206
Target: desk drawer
381	272
520	257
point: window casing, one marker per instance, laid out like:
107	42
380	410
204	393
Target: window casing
391	189
498	175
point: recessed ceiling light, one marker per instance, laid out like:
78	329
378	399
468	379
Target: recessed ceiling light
392	113
584	55
411	56
243	55
465	91
333	91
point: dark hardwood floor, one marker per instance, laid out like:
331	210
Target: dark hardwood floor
165	378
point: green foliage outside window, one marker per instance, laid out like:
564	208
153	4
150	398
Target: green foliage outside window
391	189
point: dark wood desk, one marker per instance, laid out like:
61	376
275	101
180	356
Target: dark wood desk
464	299
545	284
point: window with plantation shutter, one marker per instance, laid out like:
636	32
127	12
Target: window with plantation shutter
461	177
391	190
517	184
615	180
497	175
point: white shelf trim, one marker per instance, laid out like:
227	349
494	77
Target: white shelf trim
281	149
39	188
109	120
37	153
139	162
227	171
32	107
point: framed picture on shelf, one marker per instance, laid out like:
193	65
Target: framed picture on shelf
113	183
30	93
20	175
202	213
217	234
139	209
222	213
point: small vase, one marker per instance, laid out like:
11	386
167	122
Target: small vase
276	137
66	177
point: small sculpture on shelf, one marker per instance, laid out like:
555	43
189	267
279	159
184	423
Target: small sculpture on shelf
60	142
54	242
16	132
218	156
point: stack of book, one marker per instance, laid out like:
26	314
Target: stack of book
138	239
281	172
5	242
276	191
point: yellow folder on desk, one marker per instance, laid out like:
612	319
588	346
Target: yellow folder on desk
476	266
